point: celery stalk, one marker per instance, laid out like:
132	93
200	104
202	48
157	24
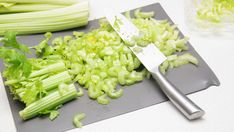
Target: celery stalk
44	21
29	8
57	67
49	102
61	2
47	22
29	16
51	68
53	81
37	29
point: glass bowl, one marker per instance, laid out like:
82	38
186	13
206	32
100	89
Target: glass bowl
208	16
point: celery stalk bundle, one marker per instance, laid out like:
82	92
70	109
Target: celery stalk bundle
43	85
28	16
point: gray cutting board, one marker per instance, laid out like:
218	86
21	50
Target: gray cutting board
188	79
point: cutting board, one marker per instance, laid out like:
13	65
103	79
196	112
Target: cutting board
187	78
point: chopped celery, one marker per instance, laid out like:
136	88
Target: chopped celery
100	60
103	100
115	94
137	49
176	61
43	44
80	93
77	120
54	114
215	11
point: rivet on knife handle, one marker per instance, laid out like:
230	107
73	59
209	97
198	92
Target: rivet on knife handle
183	103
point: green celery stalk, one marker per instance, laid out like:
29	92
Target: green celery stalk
53	81
57	67
47	22
18	8
37	28
61	2
49	102
44	21
47	15
51	68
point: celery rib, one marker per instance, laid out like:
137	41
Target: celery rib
53	81
51	68
77	8
19	8
48	102
43	21
61	2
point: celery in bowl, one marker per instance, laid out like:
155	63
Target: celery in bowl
210	15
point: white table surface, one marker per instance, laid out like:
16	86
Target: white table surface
217	51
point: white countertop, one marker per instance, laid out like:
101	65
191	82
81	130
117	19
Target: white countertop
217	51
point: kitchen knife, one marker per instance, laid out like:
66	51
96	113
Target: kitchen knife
151	57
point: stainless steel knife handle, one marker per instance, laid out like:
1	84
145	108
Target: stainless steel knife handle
181	101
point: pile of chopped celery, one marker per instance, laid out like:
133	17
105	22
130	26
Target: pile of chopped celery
215	11
39	16
98	60
165	36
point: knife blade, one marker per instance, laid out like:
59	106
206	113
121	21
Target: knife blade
151	57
